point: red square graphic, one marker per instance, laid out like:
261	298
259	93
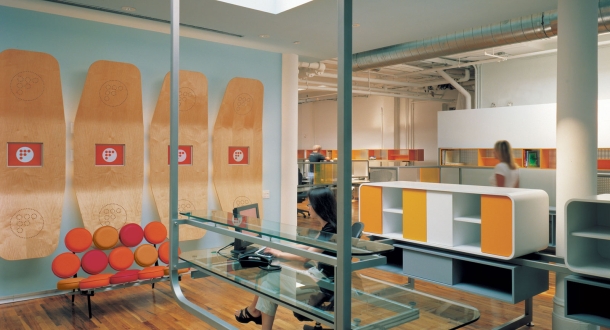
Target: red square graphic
239	155
185	155
24	154
109	155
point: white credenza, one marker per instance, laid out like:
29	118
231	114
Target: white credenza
501	223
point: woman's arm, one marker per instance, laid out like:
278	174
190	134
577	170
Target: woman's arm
499	180
290	256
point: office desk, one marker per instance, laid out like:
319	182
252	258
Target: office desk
375	304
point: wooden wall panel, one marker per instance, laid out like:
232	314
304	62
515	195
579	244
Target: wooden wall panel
239	123
192	179
109	112
31	111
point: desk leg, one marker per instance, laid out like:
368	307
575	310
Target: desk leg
410	283
525	319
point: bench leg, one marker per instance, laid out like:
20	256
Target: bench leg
89	305
73	290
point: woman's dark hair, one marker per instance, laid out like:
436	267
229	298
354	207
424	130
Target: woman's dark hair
324	204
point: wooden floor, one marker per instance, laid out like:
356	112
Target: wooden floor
142	307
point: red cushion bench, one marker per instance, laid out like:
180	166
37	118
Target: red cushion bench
120	258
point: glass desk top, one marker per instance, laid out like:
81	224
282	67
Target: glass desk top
375	304
285	232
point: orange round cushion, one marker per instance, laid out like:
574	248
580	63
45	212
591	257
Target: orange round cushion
164	252
78	240
125	276
95	281
65	265
155	232
69	283
120	258
146	255
151	272
94	262
131	234
180	271
105	237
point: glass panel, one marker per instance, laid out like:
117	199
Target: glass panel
285	232
375	304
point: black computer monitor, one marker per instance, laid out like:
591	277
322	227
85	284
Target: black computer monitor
250	210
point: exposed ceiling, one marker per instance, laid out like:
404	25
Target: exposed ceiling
380	23
314	24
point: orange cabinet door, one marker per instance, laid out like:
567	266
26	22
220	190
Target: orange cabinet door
370	209
496	225
414	215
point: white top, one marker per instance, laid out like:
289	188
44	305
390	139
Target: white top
511	177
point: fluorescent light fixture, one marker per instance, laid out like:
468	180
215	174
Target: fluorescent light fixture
301	89
268	6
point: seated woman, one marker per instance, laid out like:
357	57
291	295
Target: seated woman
323	207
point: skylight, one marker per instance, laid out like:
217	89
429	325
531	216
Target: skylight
268	6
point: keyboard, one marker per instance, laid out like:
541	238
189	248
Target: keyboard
261	252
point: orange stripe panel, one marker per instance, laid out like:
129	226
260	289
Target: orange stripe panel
429	175
496	225
370	209
414	215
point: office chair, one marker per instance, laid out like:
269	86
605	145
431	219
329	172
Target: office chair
357	229
301	197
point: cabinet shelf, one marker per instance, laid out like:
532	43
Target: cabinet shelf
470	218
474	247
597	232
393	210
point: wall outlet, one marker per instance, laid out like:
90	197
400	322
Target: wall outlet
265	193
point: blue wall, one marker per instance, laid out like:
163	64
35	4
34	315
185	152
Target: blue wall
76	44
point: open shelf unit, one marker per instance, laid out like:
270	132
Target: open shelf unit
497	280
524	157
501	223
366	154
584	300
588	235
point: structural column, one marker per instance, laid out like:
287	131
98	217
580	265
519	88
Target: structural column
290	130
576	122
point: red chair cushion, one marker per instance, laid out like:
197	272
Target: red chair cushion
131	234
164	252
125	276
120	258
155	232
94	262
78	240
105	237
69	283
65	265
151	272
146	255
95	281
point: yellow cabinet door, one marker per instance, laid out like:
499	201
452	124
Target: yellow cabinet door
496	225
414	215
370	209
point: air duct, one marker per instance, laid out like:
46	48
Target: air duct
522	29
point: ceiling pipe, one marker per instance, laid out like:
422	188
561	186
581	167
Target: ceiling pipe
376	81
312	69
316	88
457	86
516	30
365	88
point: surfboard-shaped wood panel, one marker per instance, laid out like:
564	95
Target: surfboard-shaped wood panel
192	153
238	145
33	147
108	146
